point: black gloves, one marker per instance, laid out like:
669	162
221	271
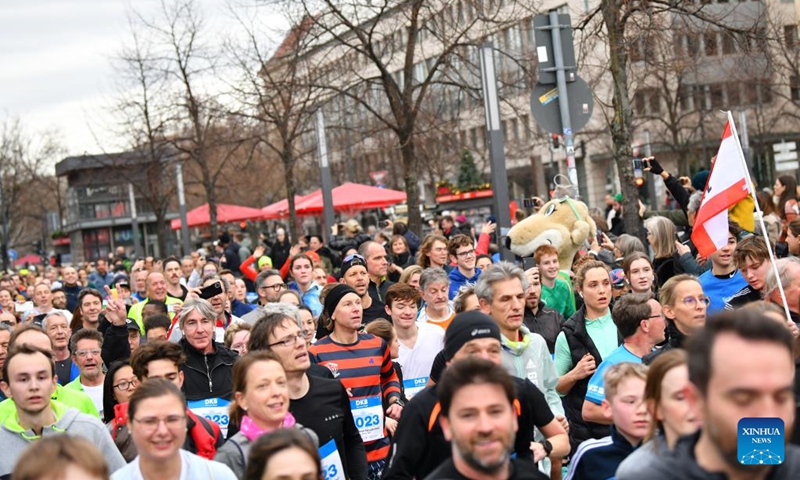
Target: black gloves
655	167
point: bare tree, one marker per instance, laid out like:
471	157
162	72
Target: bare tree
277	97
29	190
389	59
203	132
144	120
609	27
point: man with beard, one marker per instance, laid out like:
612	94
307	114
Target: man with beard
539	318
354	274
173	274
472	388
156	287
69	281
86	346
740	365
269	288
419	445
59	299
57	328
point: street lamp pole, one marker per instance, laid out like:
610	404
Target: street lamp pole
325	171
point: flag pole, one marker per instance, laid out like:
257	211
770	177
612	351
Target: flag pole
760	216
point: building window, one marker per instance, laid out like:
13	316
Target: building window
710	43
728	43
794	87
646	101
790	35
734	94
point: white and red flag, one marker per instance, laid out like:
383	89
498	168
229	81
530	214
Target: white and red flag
727	185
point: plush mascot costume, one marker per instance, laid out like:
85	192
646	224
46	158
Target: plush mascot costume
563	223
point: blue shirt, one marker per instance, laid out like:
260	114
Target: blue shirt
595	392
719	289
310	297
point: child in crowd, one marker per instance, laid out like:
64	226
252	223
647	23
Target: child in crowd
625	405
556	292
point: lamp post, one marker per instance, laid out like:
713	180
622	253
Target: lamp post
325	172
182	207
496	145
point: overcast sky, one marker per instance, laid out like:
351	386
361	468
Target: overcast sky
55	62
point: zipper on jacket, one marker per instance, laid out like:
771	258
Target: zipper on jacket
208	374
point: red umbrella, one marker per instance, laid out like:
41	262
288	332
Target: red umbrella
29	258
353	196
225	214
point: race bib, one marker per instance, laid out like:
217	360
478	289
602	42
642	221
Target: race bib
413	386
214	409
368	415
332	467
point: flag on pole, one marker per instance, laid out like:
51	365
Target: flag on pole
726	186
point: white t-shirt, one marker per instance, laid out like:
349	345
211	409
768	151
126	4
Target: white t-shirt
96	394
416	362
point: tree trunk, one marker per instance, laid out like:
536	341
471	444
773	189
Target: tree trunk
621	123
288	169
408	153
211	198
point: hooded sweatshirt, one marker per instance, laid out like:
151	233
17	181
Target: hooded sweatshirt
458	280
530	358
15	439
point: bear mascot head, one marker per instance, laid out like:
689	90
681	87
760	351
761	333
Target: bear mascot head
563	223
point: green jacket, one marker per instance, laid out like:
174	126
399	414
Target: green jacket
135	313
69	397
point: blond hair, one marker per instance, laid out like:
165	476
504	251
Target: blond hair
613	377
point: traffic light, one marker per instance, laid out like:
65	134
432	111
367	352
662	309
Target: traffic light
556	138
639	182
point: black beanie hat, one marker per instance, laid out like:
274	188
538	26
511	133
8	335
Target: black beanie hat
333	297
468	326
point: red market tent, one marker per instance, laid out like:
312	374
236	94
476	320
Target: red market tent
225	214
29	259
280	209
352	196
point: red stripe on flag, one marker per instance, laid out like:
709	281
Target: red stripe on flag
722	201
702	241
727	133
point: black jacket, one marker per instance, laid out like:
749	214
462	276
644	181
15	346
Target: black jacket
279	252
580	343
419	446
207	375
546	322
682	463
232	260
343	243
675	339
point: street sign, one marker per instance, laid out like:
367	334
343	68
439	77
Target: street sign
545	109
785	156
544	48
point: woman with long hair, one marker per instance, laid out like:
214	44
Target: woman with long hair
639	272
400	255
785	190
119	385
661	235
260	406
673	417
770	214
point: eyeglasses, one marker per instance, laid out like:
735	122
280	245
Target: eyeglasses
275	288
126	385
290	340
692	302
353	256
172	422
85	353
468	253
653	316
